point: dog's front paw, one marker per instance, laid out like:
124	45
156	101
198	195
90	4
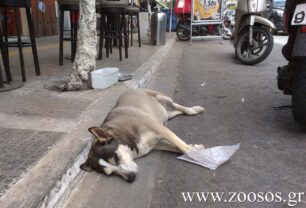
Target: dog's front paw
195	147
195	110
198	146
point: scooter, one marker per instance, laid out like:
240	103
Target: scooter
183	29
183	12
292	77
252	37
227	27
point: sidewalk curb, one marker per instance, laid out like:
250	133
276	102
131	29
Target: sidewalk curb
145	71
48	186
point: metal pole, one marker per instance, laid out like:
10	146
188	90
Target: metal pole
191	20
149	19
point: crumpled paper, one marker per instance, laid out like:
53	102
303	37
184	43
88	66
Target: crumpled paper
210	158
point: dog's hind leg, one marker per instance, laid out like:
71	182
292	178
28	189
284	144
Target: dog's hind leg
185	110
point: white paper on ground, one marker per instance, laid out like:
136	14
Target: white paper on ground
211	158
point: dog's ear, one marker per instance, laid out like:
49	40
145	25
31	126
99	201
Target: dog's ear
100	135
87	166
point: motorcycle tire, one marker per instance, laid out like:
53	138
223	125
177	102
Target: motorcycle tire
218	29
299	94
243	44
181	33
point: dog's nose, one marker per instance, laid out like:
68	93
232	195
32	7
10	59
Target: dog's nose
130	177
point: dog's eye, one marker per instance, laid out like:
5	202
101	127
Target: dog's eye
116	159
111	160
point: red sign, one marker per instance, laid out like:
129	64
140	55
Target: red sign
183	7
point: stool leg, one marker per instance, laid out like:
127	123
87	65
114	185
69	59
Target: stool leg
118	33
71	35
20	45
61	48
131	29
111	29
126	37
8	73
107	35
114	27
75	38
101	35
33	41
138	28
5	58
1	79
128	23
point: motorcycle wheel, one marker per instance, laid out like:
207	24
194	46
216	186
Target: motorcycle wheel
299	94
260	49
218	29
181	33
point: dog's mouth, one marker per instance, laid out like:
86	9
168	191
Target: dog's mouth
127	171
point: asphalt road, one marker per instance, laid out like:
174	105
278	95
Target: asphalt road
239	101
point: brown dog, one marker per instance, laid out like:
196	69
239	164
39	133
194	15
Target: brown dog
132	129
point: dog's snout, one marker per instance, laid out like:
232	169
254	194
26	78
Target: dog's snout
130	177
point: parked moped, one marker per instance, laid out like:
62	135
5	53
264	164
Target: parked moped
183	13
252	37
183	29
292	77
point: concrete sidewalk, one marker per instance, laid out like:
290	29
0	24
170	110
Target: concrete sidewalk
43	134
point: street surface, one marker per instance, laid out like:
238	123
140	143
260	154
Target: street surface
268	169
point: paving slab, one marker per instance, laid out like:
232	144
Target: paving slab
16	152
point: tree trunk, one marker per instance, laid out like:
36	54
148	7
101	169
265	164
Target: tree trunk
85	58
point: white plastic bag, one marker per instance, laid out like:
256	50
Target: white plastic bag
211	158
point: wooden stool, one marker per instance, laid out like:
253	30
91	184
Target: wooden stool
114	25
16	4
73	7
133	11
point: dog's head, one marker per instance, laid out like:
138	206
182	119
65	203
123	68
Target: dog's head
109	156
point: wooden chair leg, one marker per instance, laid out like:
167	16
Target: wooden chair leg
1	79
61	48
8	73
126	37
118	34
128	23
5	58
138	28
101	36
20	45
71	35
111	29
75	35
107	34
33	41
131	29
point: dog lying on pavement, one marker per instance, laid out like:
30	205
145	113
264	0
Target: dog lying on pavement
134	127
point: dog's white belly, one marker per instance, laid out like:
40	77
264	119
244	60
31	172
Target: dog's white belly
146	143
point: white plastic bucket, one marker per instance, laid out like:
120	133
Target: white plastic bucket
104	78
